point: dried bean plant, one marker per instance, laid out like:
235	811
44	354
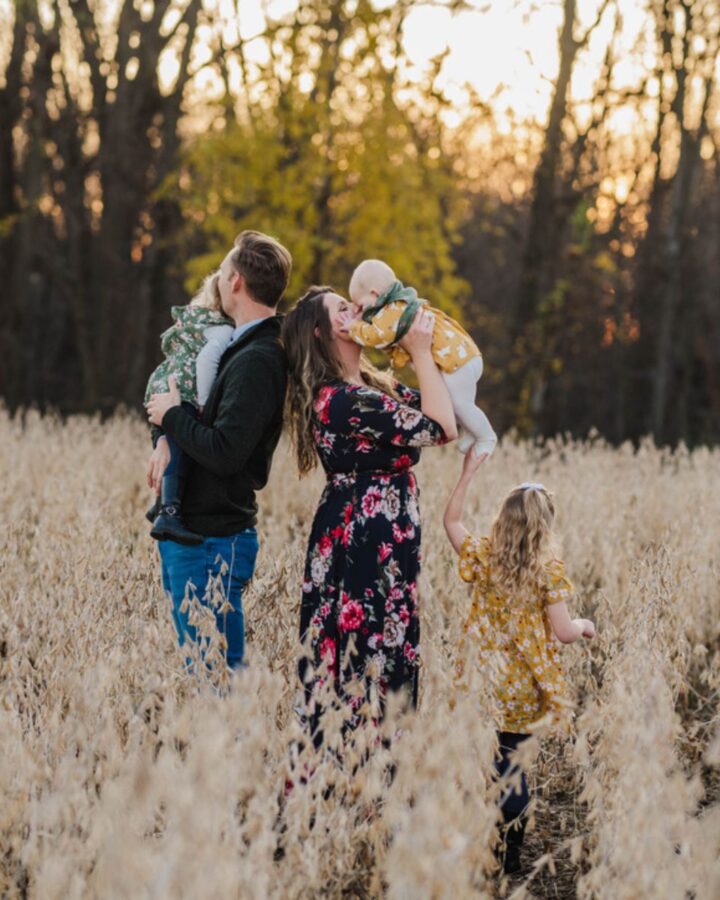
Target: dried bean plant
122	775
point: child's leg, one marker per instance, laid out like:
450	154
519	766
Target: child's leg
169	525
462	386
176	467
514	800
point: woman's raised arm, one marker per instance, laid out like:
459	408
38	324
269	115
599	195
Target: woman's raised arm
435	398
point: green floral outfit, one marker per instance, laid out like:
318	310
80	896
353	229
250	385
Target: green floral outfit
182	343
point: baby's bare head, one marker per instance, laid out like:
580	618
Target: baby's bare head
371	279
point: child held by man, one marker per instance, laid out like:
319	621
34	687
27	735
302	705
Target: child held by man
192	347
388	310
519	597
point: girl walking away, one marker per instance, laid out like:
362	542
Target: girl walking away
192	346
518	608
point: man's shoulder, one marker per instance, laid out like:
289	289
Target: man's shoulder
258	360
263	338
263	348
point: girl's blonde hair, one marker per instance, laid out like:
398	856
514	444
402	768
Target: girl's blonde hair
520	539
208	296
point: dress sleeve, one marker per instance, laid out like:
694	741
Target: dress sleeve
473	560
368	413
557	586
407	395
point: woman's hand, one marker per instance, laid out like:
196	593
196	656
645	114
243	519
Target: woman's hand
158	462
418	339
588	628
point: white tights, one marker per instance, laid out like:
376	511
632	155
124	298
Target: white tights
476	428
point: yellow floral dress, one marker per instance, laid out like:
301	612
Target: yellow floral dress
512	640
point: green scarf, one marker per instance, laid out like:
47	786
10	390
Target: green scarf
397	291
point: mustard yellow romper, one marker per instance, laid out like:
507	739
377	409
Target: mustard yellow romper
452	346
528	682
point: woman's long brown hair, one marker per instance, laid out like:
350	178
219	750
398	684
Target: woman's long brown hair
312	363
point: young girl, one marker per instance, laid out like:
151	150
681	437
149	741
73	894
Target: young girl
519	603
192	346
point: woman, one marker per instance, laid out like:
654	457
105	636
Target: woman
359	615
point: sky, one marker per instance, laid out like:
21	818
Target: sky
506	49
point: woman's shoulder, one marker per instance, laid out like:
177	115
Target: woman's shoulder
324	395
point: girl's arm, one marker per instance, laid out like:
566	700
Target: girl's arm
434	396
452	521
564	628
208	359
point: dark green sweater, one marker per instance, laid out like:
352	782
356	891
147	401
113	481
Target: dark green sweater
233	442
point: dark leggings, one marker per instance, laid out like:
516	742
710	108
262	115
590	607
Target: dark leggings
514	801
179	464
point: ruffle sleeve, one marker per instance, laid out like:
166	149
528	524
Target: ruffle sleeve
558	586
474	560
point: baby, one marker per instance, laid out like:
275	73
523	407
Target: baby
388	310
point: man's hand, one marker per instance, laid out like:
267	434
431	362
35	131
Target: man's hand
158	462
159	404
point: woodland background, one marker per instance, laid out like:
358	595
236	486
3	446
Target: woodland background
581	248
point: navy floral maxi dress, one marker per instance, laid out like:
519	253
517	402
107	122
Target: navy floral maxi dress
363	560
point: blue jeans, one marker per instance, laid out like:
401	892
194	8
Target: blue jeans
197	570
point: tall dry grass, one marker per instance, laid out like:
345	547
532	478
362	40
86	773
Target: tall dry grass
122	776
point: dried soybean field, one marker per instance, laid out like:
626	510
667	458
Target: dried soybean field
121	776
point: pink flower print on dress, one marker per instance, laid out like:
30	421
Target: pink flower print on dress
409	652
371	502
351	616
322	402
391	503
400	535
407	418
347	534
328	653
393	633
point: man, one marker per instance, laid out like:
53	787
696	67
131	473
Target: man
231	445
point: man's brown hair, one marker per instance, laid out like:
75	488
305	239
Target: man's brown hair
264	264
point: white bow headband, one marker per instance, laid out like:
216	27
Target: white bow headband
530	486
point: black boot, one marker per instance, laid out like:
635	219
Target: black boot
169	526
513	836
154	510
